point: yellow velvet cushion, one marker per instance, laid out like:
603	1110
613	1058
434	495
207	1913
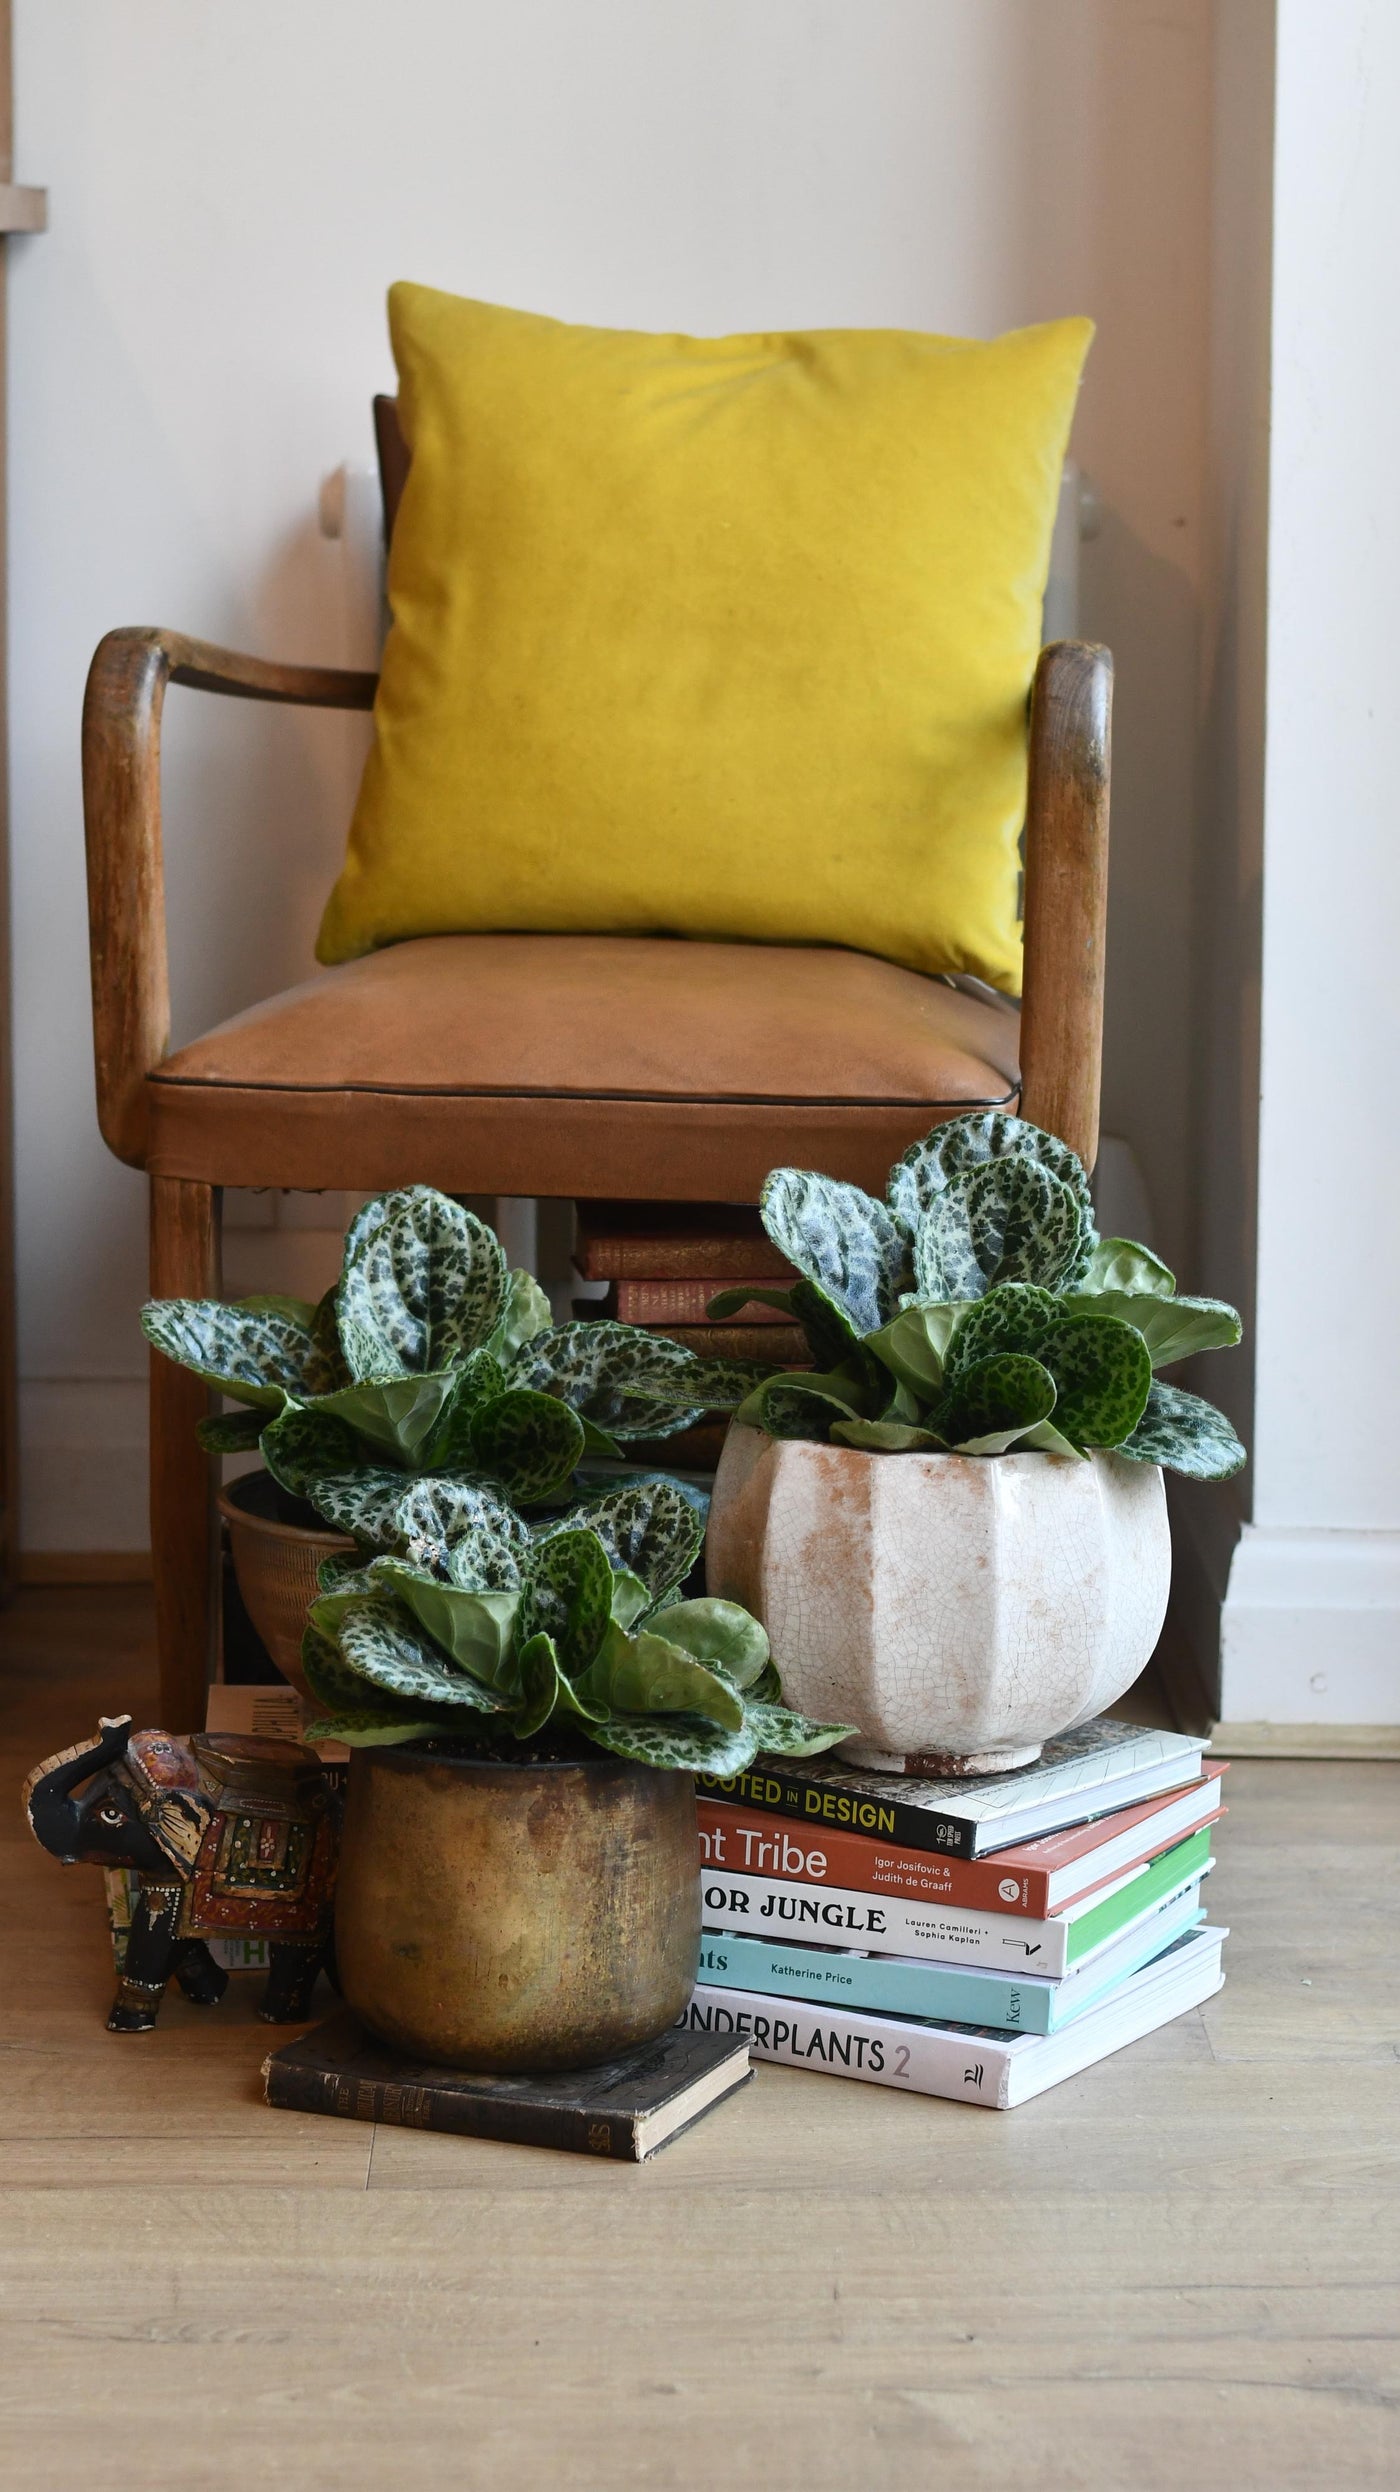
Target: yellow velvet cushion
710	636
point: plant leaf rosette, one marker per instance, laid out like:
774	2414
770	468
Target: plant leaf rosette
977	1311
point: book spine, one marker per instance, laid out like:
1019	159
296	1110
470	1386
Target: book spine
595	2132
767	1345
966	2067
780	1910
733	1839
685	1302
945	1994
780	1792
720	1261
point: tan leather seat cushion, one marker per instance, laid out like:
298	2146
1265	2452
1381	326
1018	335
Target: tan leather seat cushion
580	1064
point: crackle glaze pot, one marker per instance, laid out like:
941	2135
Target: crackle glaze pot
960	1611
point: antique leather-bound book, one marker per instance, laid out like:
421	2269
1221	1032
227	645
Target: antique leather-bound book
626	2109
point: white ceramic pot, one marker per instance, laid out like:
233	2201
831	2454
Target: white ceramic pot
960	1611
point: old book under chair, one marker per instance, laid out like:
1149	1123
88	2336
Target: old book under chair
229	1836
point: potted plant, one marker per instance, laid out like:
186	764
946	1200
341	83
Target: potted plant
526	1705
428	1358
954	1529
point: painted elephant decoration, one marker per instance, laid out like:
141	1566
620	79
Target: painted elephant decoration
230	1836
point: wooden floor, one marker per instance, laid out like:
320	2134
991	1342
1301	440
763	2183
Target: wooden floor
1180	2269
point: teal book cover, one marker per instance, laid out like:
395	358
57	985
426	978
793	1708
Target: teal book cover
954	1994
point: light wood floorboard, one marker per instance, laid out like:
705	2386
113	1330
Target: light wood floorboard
1180	2269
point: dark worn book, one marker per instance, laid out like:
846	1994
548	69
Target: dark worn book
723	1243
626	2109
1101	1766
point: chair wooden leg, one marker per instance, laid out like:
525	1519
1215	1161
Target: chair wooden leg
184	1264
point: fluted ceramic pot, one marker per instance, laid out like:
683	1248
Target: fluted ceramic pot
960	1611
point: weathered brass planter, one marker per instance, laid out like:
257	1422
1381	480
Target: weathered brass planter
516	1916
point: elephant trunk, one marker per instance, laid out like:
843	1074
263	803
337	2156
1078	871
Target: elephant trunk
53	1815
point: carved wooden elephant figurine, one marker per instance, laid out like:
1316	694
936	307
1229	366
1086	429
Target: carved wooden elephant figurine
230	1836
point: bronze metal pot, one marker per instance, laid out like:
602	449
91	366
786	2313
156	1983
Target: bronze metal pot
516	1916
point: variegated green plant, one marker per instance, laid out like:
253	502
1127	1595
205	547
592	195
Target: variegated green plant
429	1356
976	1311
489	1632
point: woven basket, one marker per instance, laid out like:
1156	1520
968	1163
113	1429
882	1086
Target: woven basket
276	1567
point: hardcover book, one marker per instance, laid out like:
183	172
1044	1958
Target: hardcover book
626	2109
951	1994
782	1909
684	1302
1103	1765
1039	1878
722	1244
995	2070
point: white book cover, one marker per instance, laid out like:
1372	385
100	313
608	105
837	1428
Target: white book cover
961	2062
790	1910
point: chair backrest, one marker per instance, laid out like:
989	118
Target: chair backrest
393	460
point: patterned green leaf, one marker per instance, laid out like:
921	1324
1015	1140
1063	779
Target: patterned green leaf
382	1644
256	1355
1117	1264
681	1742
914	1344
396	1416
423	1518
423	1284
475	1628
645	1673
1185	1434
380	1723
1009	1220
1015	1316
1046	1439
1173	1328
541	1684
567	1596
886	1436
526	1312
331	1682
528	1441
800	1411
841	1239
357	1583
361	1716
965	1143
995	1401
479	1379
300	1447
232	1432
782	1733
649	1527
1102	1374
630	1382
630	1596
721	1635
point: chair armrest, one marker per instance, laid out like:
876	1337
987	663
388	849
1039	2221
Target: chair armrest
126	873
1066	893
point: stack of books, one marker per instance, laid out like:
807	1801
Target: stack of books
662	1263
978	1939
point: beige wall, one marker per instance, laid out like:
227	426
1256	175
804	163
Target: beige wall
196	340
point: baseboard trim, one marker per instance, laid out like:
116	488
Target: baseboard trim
1356	1740
97	1566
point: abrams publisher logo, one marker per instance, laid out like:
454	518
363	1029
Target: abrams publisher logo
1009	1890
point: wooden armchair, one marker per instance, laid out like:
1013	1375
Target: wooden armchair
546	1065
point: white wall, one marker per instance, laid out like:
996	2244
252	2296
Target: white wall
195	342
1311	1631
